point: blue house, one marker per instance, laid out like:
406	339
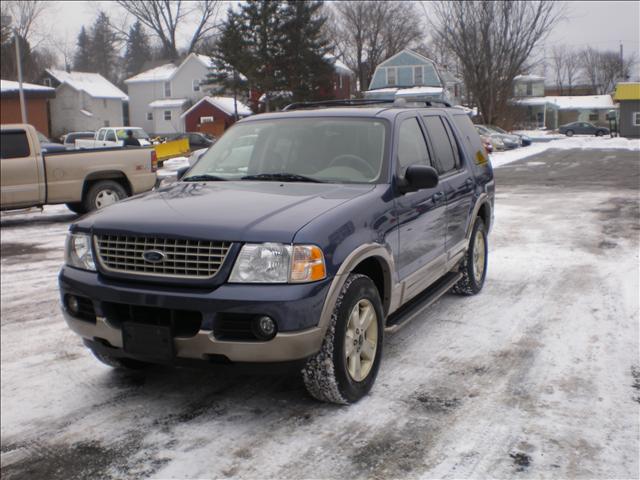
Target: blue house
409	74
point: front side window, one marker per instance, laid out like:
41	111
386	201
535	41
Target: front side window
412	148
167	89
138	133
167	114
391	76
111	136
444	150
332	150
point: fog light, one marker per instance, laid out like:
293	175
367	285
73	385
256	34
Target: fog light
264	328
72	304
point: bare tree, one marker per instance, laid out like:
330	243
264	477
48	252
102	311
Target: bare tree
558	58
603	69
26	17
493	42
366	33
163	17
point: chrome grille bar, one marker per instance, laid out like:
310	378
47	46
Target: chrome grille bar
199	259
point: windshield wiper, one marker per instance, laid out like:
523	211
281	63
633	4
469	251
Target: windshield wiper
203	178
285	177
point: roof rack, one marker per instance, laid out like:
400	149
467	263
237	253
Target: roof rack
398	102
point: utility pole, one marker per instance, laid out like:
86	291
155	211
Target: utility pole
23	109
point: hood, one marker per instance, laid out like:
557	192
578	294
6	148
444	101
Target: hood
245	211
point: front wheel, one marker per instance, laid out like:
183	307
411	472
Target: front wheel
474	265
569	133
347	365
599	133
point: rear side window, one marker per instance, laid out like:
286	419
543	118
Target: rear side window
412	148
442	145
15	144
470	138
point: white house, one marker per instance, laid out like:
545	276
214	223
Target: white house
84	101
158	97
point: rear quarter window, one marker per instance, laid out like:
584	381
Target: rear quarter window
15	144
470	139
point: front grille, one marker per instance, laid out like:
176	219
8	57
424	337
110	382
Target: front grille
182	258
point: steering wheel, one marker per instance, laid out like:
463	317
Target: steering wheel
349	158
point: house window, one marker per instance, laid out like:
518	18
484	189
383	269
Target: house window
107	123
340	80
149	115
167	89
167	114
391	76
529	89
417	76
47	82
104	102
636	119
206	120
593	116
196	85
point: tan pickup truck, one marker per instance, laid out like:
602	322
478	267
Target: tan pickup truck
82	179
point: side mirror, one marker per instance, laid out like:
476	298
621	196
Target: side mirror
417	177
181	171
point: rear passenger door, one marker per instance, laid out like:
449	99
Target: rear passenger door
420	214
455	177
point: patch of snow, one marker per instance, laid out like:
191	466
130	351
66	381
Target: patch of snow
93	84
168	103
405	92
339	66
526	78
10	86
568	103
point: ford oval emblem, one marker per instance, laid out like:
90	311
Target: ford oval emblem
154	256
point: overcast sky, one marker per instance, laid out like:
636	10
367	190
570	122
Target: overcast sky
602	25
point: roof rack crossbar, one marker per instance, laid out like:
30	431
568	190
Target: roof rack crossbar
335	103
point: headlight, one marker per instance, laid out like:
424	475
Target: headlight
77	252
278	263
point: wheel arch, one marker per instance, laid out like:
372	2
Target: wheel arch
115	175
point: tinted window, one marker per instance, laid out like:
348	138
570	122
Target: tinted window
14	144
412	148
470	137
443	150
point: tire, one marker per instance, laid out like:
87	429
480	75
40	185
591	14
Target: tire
329	375
474	265
102	194
599	133
76	207
569	133
120	363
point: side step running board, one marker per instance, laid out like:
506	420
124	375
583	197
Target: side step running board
418	305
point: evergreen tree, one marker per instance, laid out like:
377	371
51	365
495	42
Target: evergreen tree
82	58
103	48
308	73
138	50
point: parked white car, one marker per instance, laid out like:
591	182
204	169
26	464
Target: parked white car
114	137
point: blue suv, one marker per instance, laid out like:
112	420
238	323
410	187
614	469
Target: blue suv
297	240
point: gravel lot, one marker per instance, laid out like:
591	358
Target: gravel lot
538	376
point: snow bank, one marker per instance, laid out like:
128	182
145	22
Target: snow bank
499	159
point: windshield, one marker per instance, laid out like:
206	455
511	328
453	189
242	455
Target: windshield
137	133
334	150
496	129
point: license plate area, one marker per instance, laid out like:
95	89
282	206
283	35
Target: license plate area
151	341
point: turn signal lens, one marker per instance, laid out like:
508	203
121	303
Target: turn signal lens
307	264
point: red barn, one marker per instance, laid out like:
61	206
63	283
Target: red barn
213	115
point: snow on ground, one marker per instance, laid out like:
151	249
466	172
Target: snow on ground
499	159
534	377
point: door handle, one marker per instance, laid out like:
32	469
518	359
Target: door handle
469	181
436	197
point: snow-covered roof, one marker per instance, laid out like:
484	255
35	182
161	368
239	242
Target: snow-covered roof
339	66
223	103
531	101
94	84
528	78
572	102
281	94
163	72
407	92
168	70
10	86
168	103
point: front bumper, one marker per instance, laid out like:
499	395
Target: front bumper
295	308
